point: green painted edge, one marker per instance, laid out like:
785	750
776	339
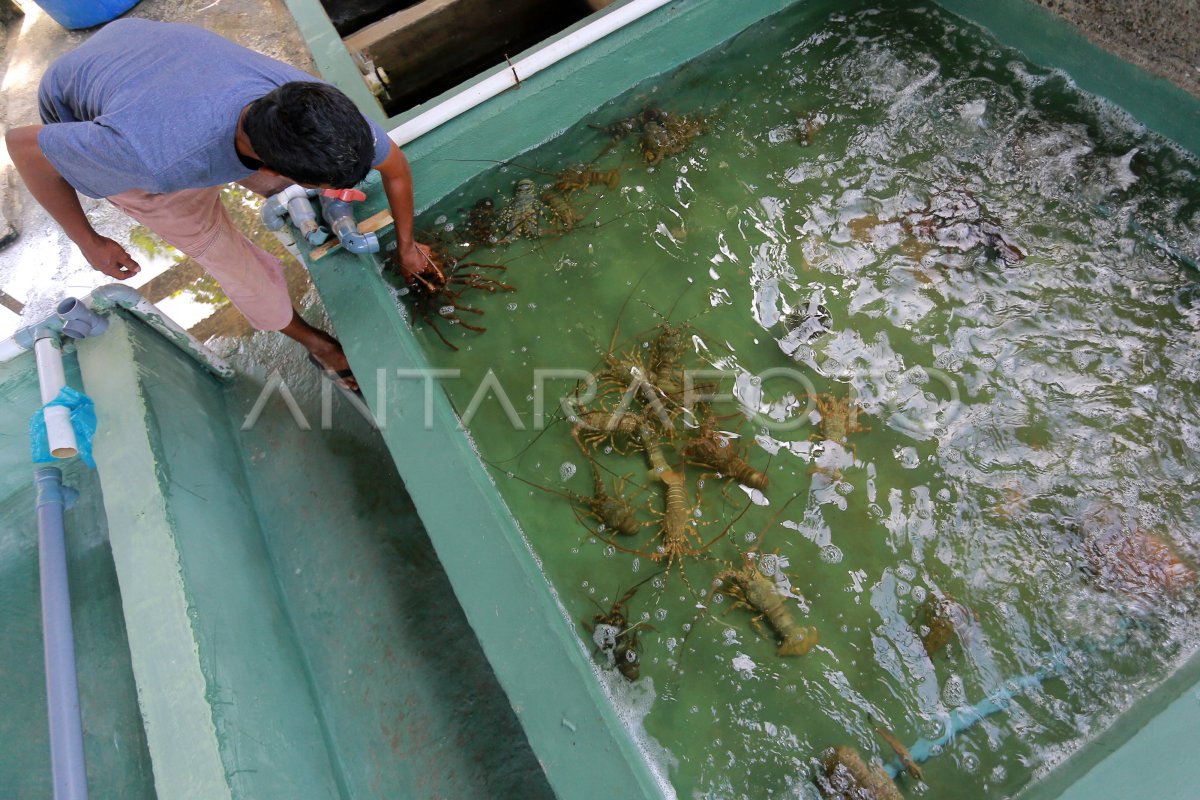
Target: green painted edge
1049	40
336	66
331	56
1120	762
172	690
545	672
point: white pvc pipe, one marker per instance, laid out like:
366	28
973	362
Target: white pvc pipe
525	68
52	379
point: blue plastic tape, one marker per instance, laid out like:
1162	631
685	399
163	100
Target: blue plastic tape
83	420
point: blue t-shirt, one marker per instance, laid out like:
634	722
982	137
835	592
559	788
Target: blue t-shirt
155	106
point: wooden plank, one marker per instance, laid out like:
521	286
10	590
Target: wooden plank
369	225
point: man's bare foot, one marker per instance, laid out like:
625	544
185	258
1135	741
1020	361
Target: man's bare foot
323	350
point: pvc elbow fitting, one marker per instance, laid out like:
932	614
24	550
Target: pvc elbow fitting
360	242
79	321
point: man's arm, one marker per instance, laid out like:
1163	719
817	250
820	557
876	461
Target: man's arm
397	185
58	197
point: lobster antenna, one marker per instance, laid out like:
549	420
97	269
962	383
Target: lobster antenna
496	466
621	311
508	163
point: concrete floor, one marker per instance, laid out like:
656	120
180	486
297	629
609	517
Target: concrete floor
1160	36
43	265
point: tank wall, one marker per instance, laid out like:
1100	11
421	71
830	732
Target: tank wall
225	698
114	740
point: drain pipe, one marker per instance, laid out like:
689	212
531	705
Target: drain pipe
62	687
51	377
522	70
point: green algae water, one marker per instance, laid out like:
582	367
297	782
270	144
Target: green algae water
995	271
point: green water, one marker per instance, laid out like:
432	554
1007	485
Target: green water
1006	402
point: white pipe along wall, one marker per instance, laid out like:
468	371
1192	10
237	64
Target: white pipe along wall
530	65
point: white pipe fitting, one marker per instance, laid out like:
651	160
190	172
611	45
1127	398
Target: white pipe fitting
52	379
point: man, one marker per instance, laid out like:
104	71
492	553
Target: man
156	117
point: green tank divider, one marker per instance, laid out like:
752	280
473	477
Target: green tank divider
226	704
331	56
1143	753
541	665
1047	39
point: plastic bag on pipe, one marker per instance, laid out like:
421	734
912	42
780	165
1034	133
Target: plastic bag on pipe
83	420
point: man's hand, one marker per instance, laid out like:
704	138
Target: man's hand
417	264
108	257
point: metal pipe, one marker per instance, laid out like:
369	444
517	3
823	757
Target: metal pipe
522	70
51	377
62	687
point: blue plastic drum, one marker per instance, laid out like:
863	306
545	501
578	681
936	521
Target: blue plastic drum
84	13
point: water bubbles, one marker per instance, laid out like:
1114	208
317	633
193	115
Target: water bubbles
637	565
844	487
831	554
954	693
567	470
750	537
440	220
610	551
970	761
919	594
446	311
660	614
512	306
906	572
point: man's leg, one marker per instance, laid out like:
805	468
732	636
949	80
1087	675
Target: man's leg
194	222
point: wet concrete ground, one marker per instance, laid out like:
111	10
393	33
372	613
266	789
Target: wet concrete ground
1160	36
42	265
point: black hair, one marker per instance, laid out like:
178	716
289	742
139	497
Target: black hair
311	133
